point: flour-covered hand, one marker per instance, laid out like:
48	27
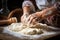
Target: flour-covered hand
33	18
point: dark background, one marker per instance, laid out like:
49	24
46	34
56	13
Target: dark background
12	4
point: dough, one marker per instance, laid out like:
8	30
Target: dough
27	29
31	31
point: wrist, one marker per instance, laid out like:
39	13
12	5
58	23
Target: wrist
38	14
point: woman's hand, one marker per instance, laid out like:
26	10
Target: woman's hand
33	18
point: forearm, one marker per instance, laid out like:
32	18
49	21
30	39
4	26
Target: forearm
8	21
4	22
46	12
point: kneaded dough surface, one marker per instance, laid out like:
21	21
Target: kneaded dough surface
28	29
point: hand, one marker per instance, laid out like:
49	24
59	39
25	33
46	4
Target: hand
33	18
24	18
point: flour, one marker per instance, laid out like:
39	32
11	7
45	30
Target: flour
28	29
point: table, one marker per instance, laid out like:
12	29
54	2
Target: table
4	36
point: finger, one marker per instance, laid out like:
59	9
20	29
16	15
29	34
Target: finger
34	21
28	18
31	19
